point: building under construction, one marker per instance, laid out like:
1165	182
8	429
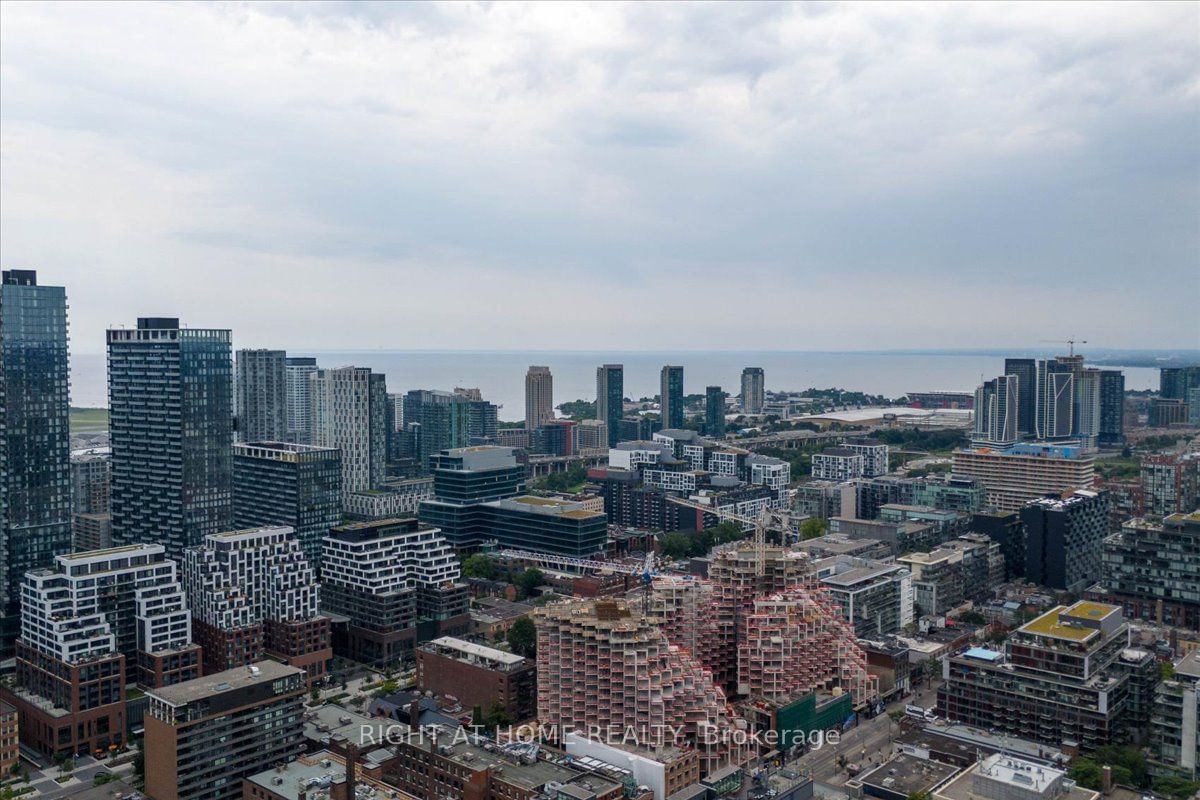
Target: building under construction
764	626
606	665
760	628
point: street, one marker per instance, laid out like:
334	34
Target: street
868	744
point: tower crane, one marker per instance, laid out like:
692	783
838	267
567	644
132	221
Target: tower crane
647	570
768	519
1069	342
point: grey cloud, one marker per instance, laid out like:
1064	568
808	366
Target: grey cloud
615	152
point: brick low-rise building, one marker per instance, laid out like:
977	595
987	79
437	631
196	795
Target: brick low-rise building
436	762
480	677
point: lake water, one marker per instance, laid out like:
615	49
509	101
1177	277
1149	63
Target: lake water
501	375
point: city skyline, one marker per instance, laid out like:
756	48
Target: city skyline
362	147
600	401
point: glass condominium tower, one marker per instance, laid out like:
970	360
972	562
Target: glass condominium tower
35	439
170	395
610	403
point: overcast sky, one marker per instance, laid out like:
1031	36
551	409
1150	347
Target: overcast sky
558	176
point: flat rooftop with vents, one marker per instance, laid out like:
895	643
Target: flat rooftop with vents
902	776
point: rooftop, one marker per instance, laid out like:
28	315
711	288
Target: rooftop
1189	665
547	505
313	775
906	775
466	649
1077	623
228	681
967	787
477	753
324	723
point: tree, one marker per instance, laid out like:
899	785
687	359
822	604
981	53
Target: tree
1177	787
972	617
529	580
918	796
497	717
812	527
314	696
675	545
727	531
139	762
522	637
578	410
1128	765
479	565
564	481
1087	773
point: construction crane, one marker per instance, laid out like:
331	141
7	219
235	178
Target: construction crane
1069	342
768	519
647	570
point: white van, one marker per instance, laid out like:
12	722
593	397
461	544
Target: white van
921	713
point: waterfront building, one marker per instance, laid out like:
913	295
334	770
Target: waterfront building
1112	408
997	409
1055	411
610	399
753	390
671	397
539	398
1174	382
1025	371
1165	412
591	434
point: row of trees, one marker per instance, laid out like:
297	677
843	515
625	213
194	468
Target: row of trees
1129	768
567	481
677	544
482	566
